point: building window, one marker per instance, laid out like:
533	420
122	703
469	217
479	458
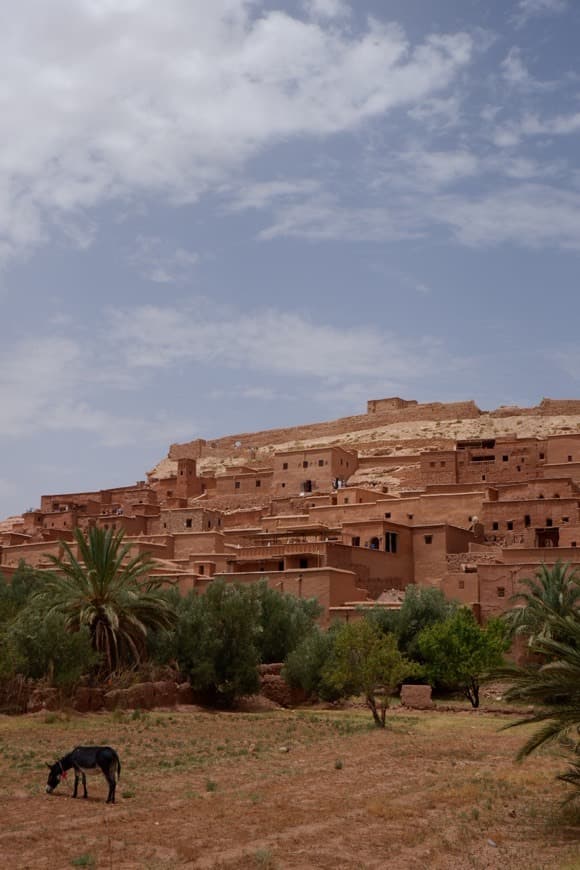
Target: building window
505	459
569	459
374	544
391	542
346	501
305	464
573	544
432	464
303	563
321	462
483	476
510	526
280	566
356	541
285	466
527	521
462	584
541	455
237	484
209	524
388	515
428	539
501	591
549	521
258	483
201	569
495	526
188	523
565	519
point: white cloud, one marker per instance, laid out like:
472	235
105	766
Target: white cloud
110	101
528	9
276	342
43	387
327	8
154	262
531	215
260	194
511	134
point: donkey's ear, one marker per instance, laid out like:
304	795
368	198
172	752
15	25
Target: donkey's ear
48	765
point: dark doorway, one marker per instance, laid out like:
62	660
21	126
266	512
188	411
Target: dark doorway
547	537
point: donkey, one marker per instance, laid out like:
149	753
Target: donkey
83	758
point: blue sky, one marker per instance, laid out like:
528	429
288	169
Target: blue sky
227	216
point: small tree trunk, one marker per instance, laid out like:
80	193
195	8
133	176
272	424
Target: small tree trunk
378	719
472	693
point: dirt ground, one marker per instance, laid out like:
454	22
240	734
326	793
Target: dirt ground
286	789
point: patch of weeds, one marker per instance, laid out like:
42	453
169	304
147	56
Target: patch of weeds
211	785
263	859
475	813
85	860
127	794
255	798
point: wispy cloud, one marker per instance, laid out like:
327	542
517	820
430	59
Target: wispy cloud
158	262
529	9
172	99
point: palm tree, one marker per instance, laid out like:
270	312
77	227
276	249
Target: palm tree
556	683
552	592
109	592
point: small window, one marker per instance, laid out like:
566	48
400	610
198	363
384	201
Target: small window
305	464
569	459
573	544
483	476
285	466
209	524
281	566
510	526
541	495
495	526
188	523
501	591
201	569
565	519
527	521
462	584
237	484
541	456
556	495
442	464
432	464
428	539
164	525
549	521
505	459
303	563
410	516
283	485
356	541
346	501
388	515
518	467
321	462
258	483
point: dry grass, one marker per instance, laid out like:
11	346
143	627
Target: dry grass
435	790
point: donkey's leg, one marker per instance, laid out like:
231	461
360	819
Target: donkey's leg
84	776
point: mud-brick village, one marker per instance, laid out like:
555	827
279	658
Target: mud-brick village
290	435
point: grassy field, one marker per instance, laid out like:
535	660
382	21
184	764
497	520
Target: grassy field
286	789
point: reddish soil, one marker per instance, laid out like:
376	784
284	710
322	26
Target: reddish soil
286	789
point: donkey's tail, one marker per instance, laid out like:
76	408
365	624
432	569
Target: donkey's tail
118	760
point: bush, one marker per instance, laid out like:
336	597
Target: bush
217	638
38	646
284	621
305	665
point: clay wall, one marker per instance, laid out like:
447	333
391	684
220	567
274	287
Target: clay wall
193	519
242	518
186	544
542	488
424	411
517	516
317	466
431	544
33	554
242	483
562	449
497	583
501	462
129	525
438	467
461	586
